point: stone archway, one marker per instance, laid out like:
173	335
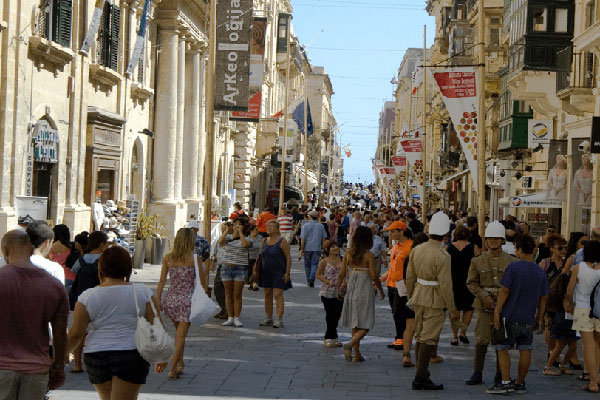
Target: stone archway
136	172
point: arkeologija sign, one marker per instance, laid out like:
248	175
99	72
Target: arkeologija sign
233	55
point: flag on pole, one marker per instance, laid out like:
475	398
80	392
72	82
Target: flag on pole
139	42
298	116
93	29
347	150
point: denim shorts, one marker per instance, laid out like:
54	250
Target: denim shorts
238	273
517	334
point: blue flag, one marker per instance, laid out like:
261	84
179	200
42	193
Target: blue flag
298	117
139	43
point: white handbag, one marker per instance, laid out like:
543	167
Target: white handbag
151	340
203	307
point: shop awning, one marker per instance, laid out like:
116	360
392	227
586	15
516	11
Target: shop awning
534	200
444	182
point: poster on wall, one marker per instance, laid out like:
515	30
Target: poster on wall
458	87
556	182
539	132
31	206
257	69
232	71
582	173
413	150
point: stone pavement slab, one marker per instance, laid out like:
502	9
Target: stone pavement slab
291	363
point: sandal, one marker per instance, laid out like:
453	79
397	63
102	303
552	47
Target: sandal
454	342
564	369
348	352
406	362
584	377
358	359
436	359
588	389
173	375
550	371
179	369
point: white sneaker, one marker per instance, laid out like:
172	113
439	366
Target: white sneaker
278	323
237	322
335	343
229	322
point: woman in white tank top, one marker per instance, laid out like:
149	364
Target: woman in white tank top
584	278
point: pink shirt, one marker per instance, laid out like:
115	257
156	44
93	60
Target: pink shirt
61	259
30	298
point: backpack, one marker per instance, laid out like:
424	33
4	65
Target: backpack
86	278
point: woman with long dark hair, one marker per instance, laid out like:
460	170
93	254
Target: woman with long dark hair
358	270
576	242
65	252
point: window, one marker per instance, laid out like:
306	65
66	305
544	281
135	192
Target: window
54	21
494	37
561	21
540	19
590	13
108	37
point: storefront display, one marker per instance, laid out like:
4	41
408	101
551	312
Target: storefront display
581	185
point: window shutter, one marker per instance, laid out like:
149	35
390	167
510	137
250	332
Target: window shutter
43	24
61	22
105	35
141	68
115	23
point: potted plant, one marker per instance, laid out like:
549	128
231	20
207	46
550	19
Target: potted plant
146	229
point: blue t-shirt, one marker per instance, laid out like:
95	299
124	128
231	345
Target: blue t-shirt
527	282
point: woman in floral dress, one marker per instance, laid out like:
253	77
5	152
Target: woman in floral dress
179	265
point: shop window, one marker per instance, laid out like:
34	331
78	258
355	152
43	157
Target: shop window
54	21
561	20
540	19
108	37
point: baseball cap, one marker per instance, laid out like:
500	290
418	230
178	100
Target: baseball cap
313	214
399	225
192	225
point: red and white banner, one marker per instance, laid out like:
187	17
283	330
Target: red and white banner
347	150
413	149
458	87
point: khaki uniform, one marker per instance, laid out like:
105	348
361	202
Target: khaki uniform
483	280
430	264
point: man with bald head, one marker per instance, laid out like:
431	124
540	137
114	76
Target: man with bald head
29	298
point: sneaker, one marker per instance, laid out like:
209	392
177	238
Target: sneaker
520	388
229	322
278	323
335	343
237	323
326	343
311	283
267	322
476	379
501	388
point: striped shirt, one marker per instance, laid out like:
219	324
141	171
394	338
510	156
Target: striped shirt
286	223
234	253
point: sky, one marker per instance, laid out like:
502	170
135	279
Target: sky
361	44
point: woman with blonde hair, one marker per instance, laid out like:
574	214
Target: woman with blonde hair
179	264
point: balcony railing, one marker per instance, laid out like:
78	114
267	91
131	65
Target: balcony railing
576	70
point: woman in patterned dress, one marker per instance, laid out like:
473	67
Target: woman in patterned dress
179	264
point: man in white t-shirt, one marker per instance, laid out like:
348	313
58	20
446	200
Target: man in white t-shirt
41	237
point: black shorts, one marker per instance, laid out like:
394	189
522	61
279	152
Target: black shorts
126	365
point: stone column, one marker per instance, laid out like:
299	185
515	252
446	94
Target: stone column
180	116
201	128
166	118
191	127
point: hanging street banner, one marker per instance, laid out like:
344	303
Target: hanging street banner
347	150
458	87
93	29
539	132
232	73
399	162
139	42
535	200
413	149
257	70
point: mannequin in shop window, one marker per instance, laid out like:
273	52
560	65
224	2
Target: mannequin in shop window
582	181
557	180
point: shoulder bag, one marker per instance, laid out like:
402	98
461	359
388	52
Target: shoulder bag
151	340
202	307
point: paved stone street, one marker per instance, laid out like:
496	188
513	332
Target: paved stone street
291	363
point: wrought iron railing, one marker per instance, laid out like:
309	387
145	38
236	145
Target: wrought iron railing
576	70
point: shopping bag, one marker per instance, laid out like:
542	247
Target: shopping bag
203	307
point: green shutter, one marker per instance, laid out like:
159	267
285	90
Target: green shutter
61	22
115	24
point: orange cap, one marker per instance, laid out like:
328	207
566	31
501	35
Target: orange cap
399	225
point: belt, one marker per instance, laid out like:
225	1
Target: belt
427	283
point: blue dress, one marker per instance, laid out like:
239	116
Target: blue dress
273	266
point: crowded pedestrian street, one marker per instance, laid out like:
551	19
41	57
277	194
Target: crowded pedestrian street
255	362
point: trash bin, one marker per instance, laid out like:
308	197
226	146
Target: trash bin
158	249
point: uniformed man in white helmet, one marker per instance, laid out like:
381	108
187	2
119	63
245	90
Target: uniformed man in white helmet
484	282
429	285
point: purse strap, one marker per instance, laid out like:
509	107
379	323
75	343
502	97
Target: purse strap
137	308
